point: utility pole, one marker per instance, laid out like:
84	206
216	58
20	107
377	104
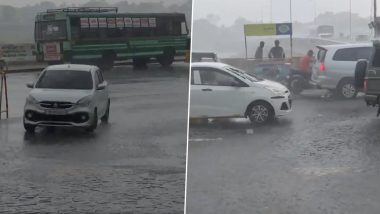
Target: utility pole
271	11
375	17
350	21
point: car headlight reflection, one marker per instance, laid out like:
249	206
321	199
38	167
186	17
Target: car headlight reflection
31	100
85	101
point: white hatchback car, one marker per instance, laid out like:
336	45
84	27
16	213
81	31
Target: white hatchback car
67	95
220	90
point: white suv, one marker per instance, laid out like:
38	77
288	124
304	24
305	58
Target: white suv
335	67
220	90
67	95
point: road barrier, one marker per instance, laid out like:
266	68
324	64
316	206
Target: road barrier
3	89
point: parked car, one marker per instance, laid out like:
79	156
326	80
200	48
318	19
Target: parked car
204	57
367	77
67	95
278	72
335	67
220	90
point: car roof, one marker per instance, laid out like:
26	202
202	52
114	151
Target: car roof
351	45
209	64
71	67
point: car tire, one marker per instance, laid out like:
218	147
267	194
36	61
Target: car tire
296	85
106	115
94	124
347	89
260	113
29	128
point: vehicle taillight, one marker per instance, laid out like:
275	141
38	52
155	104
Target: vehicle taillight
322	67
365	85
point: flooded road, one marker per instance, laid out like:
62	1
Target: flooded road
324	157
134	164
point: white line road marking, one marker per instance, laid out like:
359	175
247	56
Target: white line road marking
204	139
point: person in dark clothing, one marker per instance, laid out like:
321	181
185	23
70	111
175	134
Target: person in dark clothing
277	52
259	51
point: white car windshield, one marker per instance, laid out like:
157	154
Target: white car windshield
65	79
243	74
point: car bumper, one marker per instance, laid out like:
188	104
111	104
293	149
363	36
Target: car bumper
75	117
322	82
371	100
282	105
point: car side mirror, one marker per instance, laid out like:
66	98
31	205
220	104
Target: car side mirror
101	86
30	85
360	70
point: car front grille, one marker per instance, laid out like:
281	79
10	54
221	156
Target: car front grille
56	105
79	117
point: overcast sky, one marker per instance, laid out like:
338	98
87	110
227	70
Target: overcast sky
20	3
257	10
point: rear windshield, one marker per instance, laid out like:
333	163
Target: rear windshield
352	54
321	55
62	79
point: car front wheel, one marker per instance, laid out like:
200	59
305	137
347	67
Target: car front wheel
260	113
106	115
29	128
94	124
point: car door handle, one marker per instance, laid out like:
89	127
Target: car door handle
207	89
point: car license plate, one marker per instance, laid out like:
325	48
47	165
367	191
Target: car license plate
55	112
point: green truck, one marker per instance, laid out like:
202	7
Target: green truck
102	36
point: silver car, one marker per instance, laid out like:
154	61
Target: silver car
335	67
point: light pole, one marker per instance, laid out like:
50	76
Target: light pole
271	10
350	22
291	34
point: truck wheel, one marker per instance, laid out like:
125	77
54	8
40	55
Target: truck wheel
167	58
346	89
140	63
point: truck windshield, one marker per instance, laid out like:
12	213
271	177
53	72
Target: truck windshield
50	30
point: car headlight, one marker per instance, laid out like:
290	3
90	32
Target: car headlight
276	91
31	100
85	101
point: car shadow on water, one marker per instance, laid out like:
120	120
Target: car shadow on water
64	135
237	125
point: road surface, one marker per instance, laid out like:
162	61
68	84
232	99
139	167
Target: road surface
134	164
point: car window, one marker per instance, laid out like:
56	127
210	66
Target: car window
63	79
247	76
352	54
100	76
195	77
217	77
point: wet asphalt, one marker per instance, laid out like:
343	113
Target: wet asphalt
322	158
134	164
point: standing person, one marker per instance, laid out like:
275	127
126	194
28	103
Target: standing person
306	63
277	52
259	51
